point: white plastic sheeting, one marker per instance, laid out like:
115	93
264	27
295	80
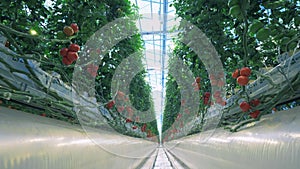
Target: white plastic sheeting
272	143
32	142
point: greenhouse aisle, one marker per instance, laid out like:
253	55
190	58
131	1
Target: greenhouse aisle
150	84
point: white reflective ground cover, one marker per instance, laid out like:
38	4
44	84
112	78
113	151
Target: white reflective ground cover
33	142
272	143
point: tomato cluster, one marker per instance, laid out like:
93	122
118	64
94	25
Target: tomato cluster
242	75
70	54
219	100
245	107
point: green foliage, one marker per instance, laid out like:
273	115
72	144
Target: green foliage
49	20
226	24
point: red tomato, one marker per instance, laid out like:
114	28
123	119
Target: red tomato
63	52
235	74
245	106
243	80
119	93
128	120
206	101
75	27
72	56
66	61
92	70
74	47
143	129
255	102
198	79
110	104
245	71
206	94
134	127
212	77
217	94
254	114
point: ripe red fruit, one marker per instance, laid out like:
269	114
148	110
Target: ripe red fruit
207	94
66	61
212	77
92	70
75	27
63	52
245	106
217	94
198	79
121	93
243	80
255	102
235	74
110	104
143	128
72	56
245	71
134	127
68	30
206	101
74	47
254	114
128	120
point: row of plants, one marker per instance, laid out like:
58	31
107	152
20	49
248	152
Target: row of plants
248	36
55	36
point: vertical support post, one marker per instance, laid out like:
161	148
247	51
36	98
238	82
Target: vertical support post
164	52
